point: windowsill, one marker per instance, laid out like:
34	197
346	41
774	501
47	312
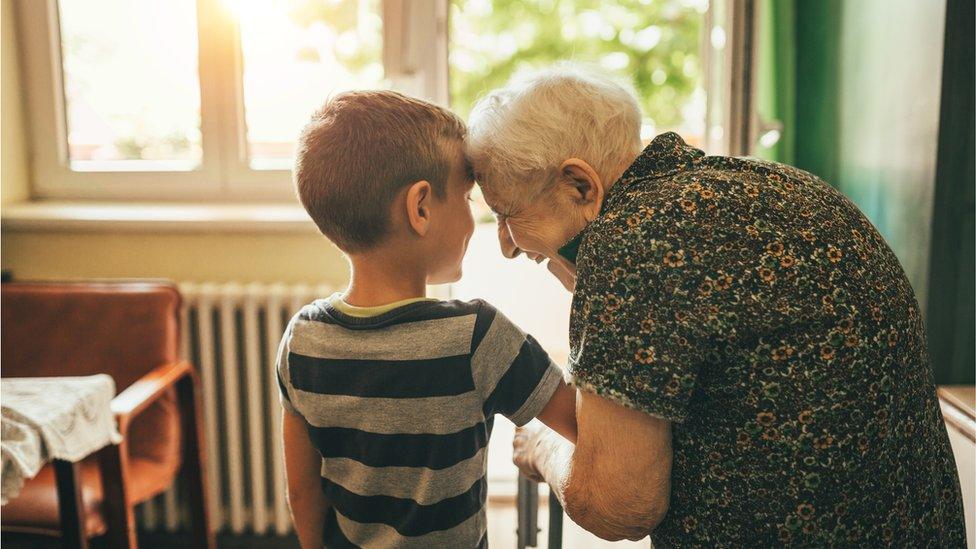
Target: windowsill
62	216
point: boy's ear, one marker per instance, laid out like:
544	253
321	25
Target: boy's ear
585	186
418	207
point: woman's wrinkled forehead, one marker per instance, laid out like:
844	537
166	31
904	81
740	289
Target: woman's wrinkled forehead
496	198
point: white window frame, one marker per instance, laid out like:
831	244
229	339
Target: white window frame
413	63
729	64
415	59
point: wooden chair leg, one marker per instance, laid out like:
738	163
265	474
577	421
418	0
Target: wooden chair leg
70	505
119	512
194	460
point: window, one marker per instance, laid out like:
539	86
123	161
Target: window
202	99
311	47
651	46
148	119
656	47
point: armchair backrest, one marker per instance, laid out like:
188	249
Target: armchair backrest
123	329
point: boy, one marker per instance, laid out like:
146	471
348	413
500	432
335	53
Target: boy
390	396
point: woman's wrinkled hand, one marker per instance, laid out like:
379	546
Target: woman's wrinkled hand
525	450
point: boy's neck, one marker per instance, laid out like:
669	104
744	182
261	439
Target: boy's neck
379	280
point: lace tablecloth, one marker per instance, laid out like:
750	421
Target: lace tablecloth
46	418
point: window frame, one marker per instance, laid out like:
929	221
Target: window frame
413	63
51	174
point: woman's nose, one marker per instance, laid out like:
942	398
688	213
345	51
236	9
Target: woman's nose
509	249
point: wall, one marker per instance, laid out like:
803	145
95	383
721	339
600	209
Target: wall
880	107
182	257
13	151
201	256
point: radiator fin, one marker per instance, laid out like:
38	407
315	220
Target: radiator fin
230	332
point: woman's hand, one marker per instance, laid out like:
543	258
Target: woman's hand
525	450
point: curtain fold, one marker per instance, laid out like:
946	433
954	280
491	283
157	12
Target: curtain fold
857	87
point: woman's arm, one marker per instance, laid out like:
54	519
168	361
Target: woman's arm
615	482
303	465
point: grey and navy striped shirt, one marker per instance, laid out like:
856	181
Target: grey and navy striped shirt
401	405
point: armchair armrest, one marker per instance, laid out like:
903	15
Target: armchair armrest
138	396
113	460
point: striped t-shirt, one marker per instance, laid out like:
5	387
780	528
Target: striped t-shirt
401	405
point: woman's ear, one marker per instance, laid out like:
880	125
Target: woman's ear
418	207
585	185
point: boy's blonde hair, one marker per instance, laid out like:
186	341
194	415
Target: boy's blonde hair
360	149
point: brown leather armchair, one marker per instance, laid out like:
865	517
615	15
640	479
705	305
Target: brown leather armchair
129	330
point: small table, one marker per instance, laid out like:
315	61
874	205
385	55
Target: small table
59	419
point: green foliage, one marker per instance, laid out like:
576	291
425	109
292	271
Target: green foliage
652	44
346	19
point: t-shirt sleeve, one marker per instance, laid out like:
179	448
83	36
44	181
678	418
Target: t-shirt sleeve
646	306
512	372
281	372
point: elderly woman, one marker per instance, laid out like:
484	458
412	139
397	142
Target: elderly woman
749	354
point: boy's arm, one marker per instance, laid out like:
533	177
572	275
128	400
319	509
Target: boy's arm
517	377
302	469
560	413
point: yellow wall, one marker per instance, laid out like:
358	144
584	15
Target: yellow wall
13	149
197	257
181	257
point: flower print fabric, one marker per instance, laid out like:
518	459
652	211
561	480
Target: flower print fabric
759	311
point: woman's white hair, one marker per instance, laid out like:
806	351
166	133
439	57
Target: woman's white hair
519	135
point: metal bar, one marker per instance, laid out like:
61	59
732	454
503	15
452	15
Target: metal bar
528	513
230	297
742	78
273	332
171	508
171	497
150	516
208	378
555	522
255	416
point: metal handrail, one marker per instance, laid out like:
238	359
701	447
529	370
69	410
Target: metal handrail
528	516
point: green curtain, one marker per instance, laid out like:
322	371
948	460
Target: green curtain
856	85
798	81
951	303
776	80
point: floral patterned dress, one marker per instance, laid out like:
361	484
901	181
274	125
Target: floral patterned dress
759	311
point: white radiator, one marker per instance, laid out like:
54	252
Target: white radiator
230	332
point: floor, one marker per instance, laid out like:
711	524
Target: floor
501	533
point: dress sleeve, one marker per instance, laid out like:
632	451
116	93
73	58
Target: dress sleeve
644	314
513	373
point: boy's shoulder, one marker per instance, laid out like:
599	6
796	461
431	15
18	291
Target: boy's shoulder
323	311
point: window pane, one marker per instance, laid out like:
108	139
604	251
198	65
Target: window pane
296	54
130	83
654	45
